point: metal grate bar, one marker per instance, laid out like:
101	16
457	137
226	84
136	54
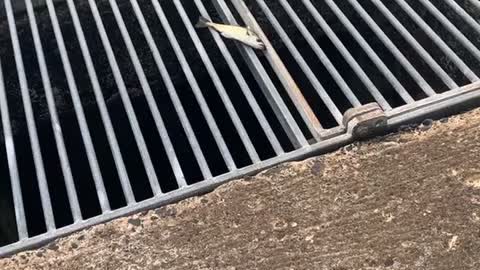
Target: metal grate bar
269	90
107	122
475	3
302	63
195	87
444	76
348	56
442	45
82	121
218	84
140	141
304	74
57	129
289	84
393	49
247	92
371	53
172	157
454	30
32	130
207	174
321	54
464	15
12	163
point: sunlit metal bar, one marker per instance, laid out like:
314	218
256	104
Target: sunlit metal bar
195	87
393	49
107	122
302	63
444	76
476	3
192	139
218	84
31	126
77	104
167	143
321	54
438	41
339	135
20	219
247	92
371	53
283	75
122	89
452	28
464	15
347	56
282	113
57	129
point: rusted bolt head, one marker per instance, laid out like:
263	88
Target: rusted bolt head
362	131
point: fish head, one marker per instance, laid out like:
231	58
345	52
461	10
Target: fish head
254	41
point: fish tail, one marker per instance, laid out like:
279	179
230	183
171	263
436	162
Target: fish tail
202	22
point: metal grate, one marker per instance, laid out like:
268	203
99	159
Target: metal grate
120	106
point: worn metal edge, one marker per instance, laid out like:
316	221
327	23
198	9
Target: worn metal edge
177	195
453	99
447	103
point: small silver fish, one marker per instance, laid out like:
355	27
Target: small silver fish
242	34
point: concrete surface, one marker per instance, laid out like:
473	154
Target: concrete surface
405	201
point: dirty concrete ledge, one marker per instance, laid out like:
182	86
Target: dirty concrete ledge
405	201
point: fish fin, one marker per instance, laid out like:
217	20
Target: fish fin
226	35
202	22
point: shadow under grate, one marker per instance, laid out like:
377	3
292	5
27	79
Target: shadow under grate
111	107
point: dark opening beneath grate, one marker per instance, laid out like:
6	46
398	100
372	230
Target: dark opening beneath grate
200	94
